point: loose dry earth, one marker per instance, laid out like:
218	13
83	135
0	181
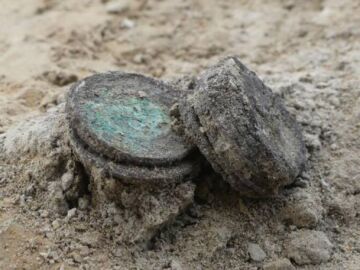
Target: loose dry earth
307	51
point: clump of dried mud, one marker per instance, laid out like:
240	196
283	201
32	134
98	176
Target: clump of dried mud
307	52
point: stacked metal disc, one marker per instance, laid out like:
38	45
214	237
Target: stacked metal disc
120	123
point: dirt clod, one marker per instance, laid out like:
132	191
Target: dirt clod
255	252
308	247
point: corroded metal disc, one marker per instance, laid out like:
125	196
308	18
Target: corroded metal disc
243	129
125	117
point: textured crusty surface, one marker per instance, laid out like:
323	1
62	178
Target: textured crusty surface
243	129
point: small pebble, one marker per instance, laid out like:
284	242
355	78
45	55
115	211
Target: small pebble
57	200
56	224
71	213
312	142
127	24
77	258
67	180
334	146
83	203
139	59
256	253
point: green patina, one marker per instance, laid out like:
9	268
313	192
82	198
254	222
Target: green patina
129	123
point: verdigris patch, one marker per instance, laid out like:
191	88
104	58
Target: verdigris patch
132	123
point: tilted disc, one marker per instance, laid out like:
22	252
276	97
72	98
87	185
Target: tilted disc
243	129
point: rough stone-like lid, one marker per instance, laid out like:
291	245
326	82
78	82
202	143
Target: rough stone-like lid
125	117
243	129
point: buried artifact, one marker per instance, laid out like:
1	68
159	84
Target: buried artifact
243	129
120	122
136	167
139	168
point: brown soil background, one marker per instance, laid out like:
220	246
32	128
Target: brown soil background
307	51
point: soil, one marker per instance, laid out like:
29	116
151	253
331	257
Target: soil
306	51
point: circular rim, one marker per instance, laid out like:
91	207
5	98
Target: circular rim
133	174
123	92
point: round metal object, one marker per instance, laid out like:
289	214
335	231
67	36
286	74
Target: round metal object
243	129
126	118
120	122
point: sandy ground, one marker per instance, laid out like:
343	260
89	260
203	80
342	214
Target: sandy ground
307	51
